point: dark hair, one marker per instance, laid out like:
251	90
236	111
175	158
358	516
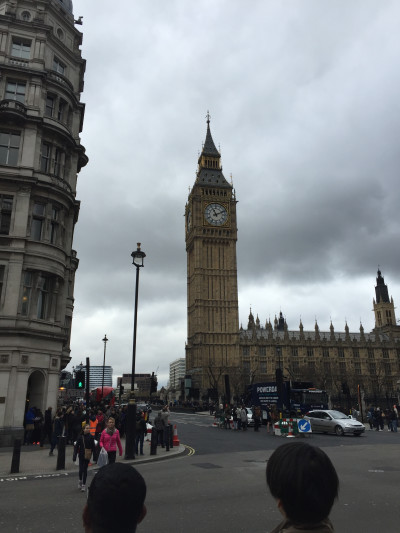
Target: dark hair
116	498
305	480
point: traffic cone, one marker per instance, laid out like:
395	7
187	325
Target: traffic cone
290	433
175	440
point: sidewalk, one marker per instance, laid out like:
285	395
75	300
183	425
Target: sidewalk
35	461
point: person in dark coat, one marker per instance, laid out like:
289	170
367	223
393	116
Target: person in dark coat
85	442
47	428
141	430
58	428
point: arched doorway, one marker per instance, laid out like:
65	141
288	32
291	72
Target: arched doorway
35	391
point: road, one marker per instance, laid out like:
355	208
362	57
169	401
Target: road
220	486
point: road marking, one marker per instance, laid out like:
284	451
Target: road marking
192	451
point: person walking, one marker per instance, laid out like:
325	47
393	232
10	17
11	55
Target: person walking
159	427
58	428
165	418
83	448
47	428
29	425
141	430
243	418
257	417
110	440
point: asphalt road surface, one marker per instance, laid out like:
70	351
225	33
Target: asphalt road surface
219	486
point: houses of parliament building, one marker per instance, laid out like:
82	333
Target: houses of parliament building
223	358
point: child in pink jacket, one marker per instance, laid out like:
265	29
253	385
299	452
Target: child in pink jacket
110	440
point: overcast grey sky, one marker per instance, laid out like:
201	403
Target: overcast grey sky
304	103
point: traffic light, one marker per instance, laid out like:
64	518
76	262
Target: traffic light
80	379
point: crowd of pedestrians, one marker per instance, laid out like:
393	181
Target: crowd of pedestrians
239	417
377	418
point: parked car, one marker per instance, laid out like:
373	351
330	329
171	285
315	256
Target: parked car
330	421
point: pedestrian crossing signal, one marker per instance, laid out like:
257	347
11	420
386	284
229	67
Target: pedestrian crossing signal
80	379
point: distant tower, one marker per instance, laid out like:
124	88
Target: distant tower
385	317
41	117
212	349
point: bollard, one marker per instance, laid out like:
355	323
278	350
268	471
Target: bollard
171	435
16	456
153	442
61	453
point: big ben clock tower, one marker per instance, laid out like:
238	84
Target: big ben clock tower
212	350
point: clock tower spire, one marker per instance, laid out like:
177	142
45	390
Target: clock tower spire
212	349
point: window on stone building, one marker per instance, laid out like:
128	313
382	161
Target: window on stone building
59	163
340	352
388	313
372	368
311	366
246	366
50	105
9	148
55	214
37	221
62	110
295	366
385	353
327	368
246	350
295	351
388	368
15	90
379	318
21	48
43	301
2	270
357	369
25	15
356	353
310	352
45	157
371	354
342	367
262	350
263	367
26	293
6	203
325	352
58	66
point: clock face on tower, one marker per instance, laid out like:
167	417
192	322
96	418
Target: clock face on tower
215	214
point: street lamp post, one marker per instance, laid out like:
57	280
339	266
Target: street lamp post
104	362
137	260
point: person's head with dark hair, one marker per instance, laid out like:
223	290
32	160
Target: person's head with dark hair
304	482
115	500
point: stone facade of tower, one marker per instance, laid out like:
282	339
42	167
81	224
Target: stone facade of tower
41	117
212	350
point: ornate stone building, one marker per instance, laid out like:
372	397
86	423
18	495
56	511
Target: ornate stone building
336	361
41	117
226	358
